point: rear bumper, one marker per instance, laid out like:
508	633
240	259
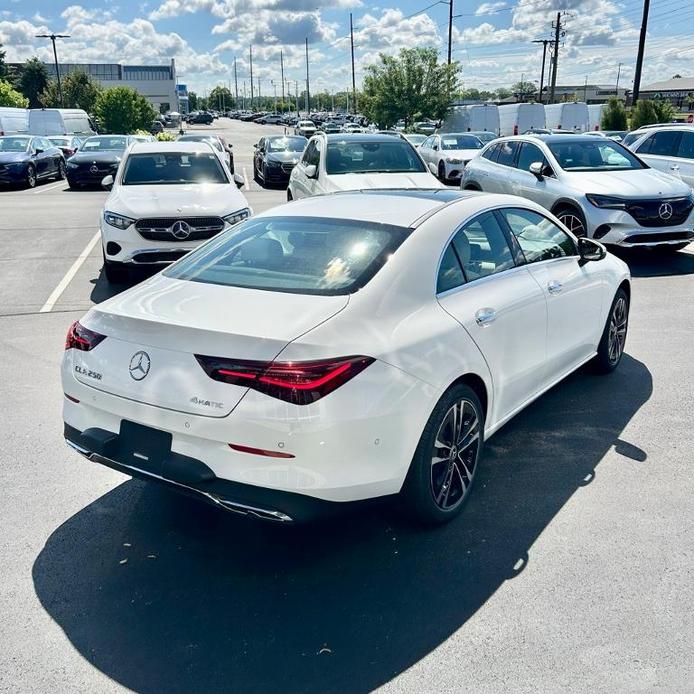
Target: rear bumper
193	478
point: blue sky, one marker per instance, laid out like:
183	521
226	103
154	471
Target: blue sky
492	40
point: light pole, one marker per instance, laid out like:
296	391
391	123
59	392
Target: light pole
274	86
53	37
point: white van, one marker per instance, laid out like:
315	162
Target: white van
515	119
14	121
60	121
595	116
569	116
477	117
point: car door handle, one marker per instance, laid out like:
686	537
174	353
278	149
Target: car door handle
674	167
554	287
485	316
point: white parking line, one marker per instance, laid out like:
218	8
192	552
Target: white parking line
245	178
43	189
62	285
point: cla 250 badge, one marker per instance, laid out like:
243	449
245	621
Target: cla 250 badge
87	372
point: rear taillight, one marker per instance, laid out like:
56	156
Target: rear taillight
79	337
300	383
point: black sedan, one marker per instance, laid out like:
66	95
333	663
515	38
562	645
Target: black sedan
98	156
276	156
25	160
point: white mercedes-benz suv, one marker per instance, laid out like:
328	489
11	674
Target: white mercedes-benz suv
342	347
595	186
166	199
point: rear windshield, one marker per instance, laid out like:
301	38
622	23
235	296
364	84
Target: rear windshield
600	155
172	168
14	144
202	138
394	156
99	144
301	255
460	142
286	144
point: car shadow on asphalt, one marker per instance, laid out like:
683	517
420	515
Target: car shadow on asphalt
103	289
162	593
644	262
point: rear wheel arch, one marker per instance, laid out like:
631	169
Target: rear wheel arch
626	286
472	186
478	386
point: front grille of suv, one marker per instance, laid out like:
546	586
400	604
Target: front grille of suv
162	228
649	213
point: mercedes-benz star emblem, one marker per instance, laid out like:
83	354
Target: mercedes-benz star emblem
94	168
181	230
665	211
139	365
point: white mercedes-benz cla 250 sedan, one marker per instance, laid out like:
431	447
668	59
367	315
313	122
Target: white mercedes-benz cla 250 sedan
166	199
341	348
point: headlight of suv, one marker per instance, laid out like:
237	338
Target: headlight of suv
236	217
607	202
117	220
454	160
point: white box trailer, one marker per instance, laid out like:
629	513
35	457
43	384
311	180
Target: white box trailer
59	121
515	119
14	121
595	116
568	116
477	117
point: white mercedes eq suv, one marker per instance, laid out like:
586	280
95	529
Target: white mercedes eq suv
166	198
315	355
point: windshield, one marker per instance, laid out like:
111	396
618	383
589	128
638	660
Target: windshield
485	137
59	141
599	155
460	142
303	255
306	124
14	144
103	144
172	168
394	156
286	144
414	139
630	138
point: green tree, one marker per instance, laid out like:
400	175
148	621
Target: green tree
524	90
33	81
646	112
502	93
192	101
614	115
79	91
3	66
220	98
123	110
665	111
411	85
11	97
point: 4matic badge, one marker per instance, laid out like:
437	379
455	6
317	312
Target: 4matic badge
207	403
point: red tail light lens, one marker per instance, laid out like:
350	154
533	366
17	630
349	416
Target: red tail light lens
79	337
300	383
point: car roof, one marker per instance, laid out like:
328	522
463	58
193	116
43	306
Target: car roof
397	206
357	137
569	137
175	146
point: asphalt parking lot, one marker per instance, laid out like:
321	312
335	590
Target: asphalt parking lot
570	569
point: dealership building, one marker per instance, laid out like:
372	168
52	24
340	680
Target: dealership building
679	91
155	82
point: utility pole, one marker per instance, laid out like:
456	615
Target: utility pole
296	86
282	71
521	90
274	86
308	90
616	86
585	90
544	43
236	85
354	81
250	56
53	37
557	32
450	29
639	57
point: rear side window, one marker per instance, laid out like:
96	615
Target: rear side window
538	237
450	272
507	152
301	255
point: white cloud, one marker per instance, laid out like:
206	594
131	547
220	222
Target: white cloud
490	8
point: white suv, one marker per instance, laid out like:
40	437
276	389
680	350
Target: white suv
166	199
596	187
668	148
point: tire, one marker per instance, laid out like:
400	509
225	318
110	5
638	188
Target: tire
426	494
442	172
62	171
30	179
73	185
116	273
671	247
572	218
610	354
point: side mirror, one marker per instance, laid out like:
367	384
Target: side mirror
590	250
38	151
536	169
255	146
107	182
435	148
239	180
311	171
